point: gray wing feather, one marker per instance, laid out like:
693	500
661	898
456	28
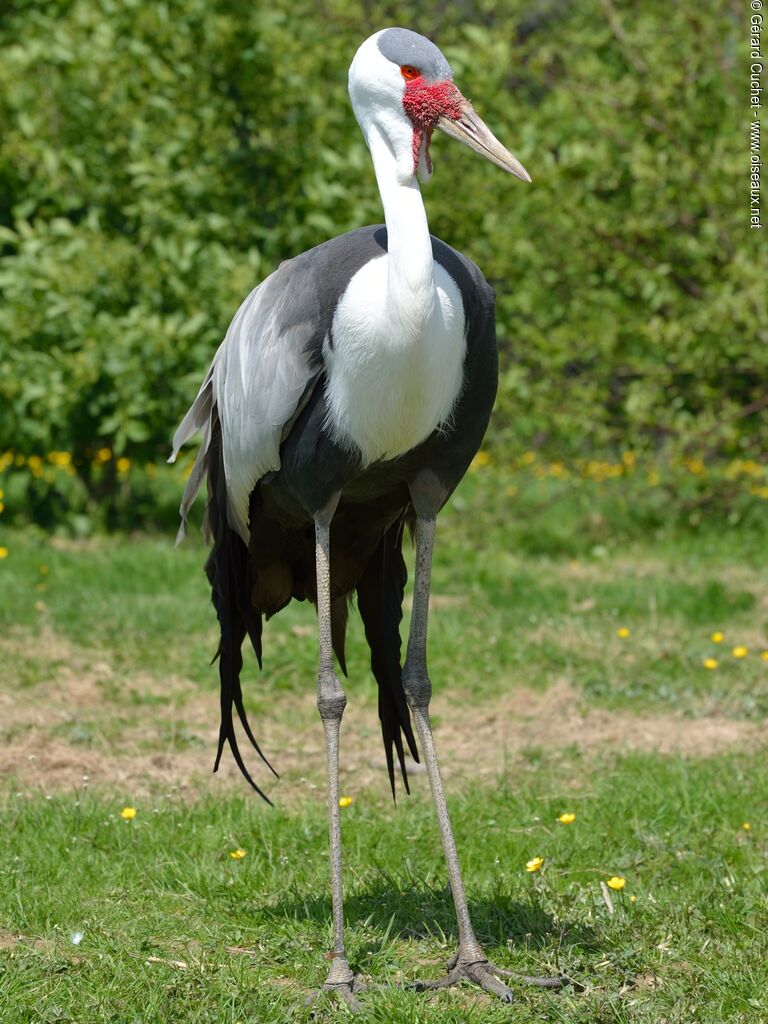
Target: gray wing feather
256	381
198	418
198	414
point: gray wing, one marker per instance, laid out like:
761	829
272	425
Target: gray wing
265	367
255	384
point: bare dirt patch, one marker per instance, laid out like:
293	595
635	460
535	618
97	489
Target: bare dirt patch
558	718
74	730
7	939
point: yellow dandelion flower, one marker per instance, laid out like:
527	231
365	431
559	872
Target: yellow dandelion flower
2	493
528	457
717	637
2	506
3	552
481	459
534	864
237	854
567	817
764	655
746	826
345	801
123	464
633	899
710	663
128	813
623	632
616	883
740	652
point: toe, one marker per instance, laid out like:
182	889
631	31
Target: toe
349	997
554	981
429	986
489	983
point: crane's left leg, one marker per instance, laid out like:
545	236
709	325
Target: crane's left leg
331	702
470	962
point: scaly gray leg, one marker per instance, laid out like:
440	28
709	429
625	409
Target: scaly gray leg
470	962
331	702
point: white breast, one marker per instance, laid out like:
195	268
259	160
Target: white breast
393	375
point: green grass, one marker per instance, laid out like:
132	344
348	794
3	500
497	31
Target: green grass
174	930
690	948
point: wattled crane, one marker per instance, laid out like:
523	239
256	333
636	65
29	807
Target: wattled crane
348	398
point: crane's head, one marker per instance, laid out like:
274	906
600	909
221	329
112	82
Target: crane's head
401	87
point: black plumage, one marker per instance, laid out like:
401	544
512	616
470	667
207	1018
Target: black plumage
368	525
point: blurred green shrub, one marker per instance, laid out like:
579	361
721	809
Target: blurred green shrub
158	159
558	505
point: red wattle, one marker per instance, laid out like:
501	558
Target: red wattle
419	135
425	103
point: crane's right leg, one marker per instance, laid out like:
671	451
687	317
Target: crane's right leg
331	702
470	962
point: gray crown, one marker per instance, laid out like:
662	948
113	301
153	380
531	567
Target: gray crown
402	46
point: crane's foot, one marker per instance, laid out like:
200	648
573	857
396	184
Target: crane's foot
487	975
342	983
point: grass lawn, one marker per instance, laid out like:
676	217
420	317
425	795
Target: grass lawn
567	657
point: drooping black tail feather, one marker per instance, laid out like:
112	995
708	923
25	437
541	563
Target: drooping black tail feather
339	616
227	569
380	601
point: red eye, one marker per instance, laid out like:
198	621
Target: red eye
409	73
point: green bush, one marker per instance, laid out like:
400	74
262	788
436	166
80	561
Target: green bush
158	159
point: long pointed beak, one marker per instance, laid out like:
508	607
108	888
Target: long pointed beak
475	133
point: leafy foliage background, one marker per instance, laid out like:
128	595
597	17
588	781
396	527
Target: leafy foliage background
158	159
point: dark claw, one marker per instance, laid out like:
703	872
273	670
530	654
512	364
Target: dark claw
487	981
